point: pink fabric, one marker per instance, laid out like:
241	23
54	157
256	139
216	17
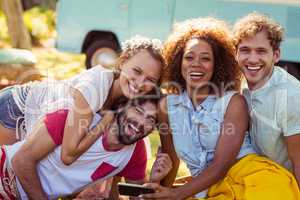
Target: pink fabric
55	124
103	170
8	187
136	167
134	170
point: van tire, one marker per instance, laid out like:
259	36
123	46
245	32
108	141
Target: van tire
99	46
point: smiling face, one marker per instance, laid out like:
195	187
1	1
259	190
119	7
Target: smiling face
197	64
140	74
256	59
137	122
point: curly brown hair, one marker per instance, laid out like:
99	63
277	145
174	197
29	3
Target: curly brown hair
227	75
253	23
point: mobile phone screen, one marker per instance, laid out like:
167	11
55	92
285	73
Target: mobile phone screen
133	189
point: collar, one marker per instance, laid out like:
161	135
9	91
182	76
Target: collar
185	100
270	83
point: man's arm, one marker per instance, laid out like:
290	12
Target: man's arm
97	190
293	147
114	194
25	161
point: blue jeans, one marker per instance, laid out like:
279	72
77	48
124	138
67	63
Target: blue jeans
9	111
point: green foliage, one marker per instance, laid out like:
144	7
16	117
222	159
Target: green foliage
39	21
3	30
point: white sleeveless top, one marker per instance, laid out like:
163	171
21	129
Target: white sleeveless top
195	131
48	96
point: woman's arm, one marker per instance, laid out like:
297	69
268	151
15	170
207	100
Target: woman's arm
77	139
88	140
228	146
166	139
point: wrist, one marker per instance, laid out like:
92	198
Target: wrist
154	180
178	193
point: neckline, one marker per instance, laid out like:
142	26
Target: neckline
105	143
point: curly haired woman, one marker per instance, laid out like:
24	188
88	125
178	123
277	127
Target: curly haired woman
205	124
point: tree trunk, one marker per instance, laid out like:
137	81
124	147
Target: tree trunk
18	33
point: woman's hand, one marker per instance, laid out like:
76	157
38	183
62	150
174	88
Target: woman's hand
161	167
108	114
162	193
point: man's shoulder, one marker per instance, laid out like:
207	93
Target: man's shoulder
283	79
140	147
281	85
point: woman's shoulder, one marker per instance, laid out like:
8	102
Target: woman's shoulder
223	103
232	96
100	70
238	101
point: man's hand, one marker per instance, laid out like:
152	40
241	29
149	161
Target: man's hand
99	190
161	167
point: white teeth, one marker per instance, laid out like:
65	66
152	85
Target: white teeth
132	88
196	73
254	67
134	128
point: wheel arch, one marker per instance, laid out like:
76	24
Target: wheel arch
292	67
94	35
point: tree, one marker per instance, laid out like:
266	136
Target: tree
48	4
18	33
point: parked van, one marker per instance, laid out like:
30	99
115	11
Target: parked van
97	27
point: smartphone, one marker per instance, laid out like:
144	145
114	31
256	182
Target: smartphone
135	190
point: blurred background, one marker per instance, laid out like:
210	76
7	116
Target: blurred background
39	24
60	38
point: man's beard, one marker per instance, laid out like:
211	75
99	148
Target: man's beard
123	138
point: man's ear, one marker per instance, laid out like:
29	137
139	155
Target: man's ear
276	55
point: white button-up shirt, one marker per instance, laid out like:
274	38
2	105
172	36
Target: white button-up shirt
275	114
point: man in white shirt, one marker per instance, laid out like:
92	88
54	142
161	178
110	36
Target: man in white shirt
40	173
272	94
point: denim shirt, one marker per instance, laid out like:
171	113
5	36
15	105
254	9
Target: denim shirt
195	131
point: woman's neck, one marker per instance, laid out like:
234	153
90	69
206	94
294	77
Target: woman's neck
198	95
